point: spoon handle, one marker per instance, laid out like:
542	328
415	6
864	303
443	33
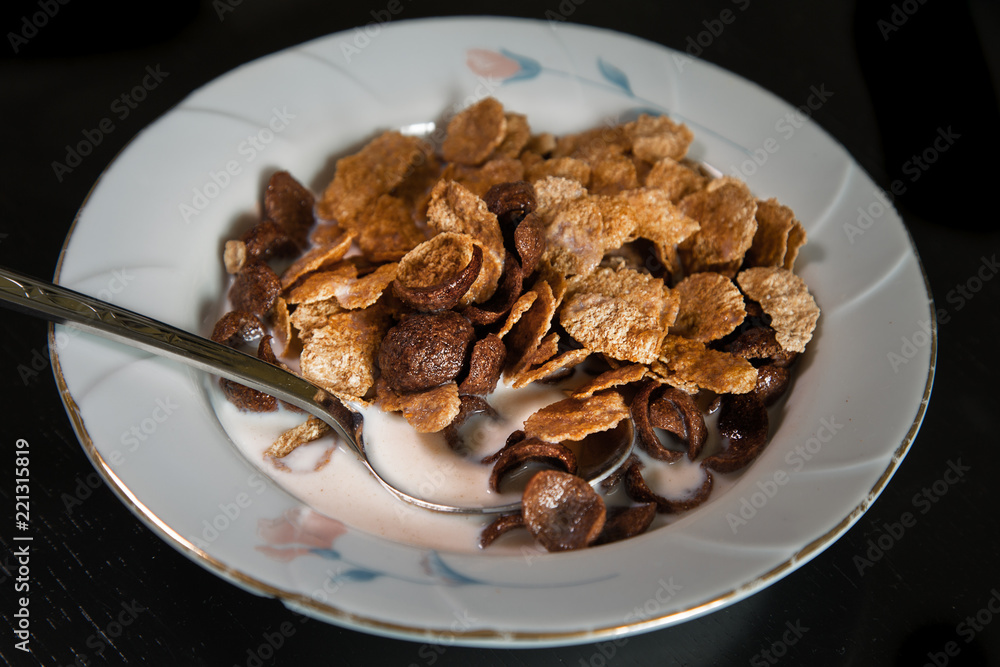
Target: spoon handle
64	306
59	304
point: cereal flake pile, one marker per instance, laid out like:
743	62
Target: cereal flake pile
423	275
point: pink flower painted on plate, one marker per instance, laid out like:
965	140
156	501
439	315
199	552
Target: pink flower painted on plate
491	63
302	527
504	65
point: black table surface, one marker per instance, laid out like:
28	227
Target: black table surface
105	590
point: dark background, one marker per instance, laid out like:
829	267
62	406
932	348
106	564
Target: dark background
900	72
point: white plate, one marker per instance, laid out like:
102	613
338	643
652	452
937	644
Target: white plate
149	426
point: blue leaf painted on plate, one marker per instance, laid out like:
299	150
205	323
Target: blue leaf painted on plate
357	575
614	75
445	573
530	67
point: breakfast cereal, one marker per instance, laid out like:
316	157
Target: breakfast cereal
422	278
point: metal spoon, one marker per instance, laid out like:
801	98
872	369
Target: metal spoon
64	306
